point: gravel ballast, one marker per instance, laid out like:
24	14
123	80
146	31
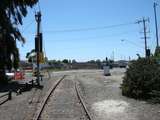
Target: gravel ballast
103	96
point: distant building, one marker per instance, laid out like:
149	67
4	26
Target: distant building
85	65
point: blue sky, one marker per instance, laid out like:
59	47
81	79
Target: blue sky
58	15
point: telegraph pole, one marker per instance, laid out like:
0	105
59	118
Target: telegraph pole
145	37
145	33
37	45
155	14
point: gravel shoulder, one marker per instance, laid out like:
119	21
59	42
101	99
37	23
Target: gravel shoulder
101	93
23	106
104	98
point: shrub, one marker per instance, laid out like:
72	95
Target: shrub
142	79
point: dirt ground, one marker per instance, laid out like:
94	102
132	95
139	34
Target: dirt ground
102	95
23	106
63	103
104	98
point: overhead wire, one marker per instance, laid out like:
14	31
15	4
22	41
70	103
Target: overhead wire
27	26
39	6
90	28
133	43
153	44
97	37
79	29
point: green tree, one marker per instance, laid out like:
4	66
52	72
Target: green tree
157	54
92	61
141	80
31	55
11	14
65	61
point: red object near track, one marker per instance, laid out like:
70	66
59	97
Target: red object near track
19	75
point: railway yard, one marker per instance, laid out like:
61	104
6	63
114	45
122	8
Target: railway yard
78	95
79	60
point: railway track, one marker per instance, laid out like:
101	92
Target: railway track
38	114
82	102
44	103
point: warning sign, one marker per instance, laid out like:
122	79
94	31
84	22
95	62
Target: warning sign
41	57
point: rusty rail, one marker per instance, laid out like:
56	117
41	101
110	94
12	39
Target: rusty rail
82	102
51	90
9	94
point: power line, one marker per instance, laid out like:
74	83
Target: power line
39	6
27	26
90	28
79	30
133	43
34	10
99	37
144	21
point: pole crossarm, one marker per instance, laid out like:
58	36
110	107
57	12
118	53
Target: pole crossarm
144	21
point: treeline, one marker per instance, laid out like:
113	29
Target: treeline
73	64
67	61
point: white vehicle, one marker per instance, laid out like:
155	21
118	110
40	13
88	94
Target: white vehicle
106	70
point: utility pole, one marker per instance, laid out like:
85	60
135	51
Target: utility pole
113	55
145	33
129	58
37	46
155	14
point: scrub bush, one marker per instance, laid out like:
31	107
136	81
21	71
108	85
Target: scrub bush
142	79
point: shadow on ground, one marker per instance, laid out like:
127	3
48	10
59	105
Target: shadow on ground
15	87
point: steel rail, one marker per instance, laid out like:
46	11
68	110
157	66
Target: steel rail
9	94
6	94
82	102
51	90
